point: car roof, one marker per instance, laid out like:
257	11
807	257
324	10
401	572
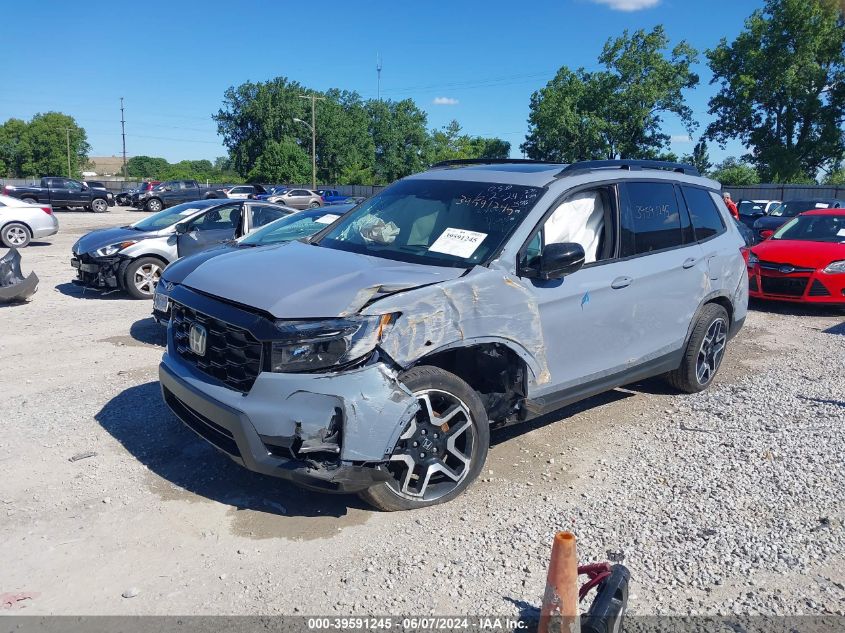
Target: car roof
542	174
825	212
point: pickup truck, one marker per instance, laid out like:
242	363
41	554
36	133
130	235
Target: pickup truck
61	192
173	192
332	196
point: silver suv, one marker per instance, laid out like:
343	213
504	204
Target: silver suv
375	356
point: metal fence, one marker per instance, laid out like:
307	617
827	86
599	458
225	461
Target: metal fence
786	192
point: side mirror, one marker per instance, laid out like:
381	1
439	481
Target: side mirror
559	260
168	188
84	187
182	228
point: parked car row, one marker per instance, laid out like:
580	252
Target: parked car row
63	193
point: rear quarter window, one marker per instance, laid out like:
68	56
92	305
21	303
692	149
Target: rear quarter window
706	219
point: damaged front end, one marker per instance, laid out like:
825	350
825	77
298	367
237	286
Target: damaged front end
14	287
97	272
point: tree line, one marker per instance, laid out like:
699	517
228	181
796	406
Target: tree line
780	88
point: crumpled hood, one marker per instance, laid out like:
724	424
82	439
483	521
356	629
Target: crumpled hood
800	253
103	237
300	281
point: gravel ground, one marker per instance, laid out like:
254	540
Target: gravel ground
730	501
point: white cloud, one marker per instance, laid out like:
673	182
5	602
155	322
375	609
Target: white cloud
629	5
445	101
681	138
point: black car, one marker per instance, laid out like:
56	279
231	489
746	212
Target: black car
785	211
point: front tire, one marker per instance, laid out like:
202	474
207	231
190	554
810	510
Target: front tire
154	205
443	448
142	277
704	352
15	235
98	205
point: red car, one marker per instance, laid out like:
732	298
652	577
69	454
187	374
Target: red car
803	261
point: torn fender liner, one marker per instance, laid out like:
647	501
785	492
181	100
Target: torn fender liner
485	305
13	285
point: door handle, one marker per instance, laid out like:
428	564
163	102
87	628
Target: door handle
689	263
621	282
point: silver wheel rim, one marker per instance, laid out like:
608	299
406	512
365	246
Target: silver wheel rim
154	206
711	351
433	455
147	277
16	235
100	206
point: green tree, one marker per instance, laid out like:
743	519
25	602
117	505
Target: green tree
13	148
616	112
783	88
147	167
402	142
42	145
449	144
342	137
282	161
733	172
700	158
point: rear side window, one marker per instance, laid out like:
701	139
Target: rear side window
651	219
706	218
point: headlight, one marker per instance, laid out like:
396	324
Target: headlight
111	249
304	346
836	268
753	260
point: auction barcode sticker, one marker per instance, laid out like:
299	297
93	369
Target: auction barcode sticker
457	242
327	219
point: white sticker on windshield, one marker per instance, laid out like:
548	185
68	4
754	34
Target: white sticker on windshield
188	211
841	233
327	219
822	205
457	242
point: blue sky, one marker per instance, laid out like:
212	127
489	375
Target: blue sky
475	61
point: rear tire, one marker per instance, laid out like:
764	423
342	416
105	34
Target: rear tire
436	458
15	235
142	276
154	205
29	200
704	352
314	205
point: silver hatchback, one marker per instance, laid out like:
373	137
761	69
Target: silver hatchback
376	357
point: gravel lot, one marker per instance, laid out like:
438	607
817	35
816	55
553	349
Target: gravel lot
731	501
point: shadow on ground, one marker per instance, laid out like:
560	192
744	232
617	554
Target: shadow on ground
149	332
82	292
796	309
142	423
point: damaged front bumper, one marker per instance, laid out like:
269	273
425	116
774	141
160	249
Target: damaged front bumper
321	431
97	272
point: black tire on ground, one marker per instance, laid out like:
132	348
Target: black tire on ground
99	205
29	200
459	443
314	205
154	205
141	277
15	235
704	352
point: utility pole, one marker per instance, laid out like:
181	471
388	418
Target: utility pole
123	134
378	72
67	130
313	126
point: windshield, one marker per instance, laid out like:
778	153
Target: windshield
436	222
292	227
747	207
171	216
794	207
813	228
277	191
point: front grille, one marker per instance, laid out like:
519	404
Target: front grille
818	290
211	432
790	268
232	354
753	286
787	286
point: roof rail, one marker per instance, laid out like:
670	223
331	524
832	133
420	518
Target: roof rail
490	161
630	164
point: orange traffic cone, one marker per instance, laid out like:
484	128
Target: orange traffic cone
559	613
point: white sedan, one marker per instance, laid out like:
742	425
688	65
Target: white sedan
21	222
